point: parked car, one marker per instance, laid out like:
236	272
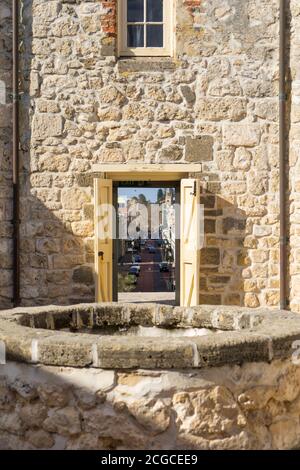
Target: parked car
134	270
137	266
164	267
151	249
137	258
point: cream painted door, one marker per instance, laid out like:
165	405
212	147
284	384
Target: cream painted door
103	239
190	242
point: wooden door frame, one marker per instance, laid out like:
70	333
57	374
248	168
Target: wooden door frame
152	173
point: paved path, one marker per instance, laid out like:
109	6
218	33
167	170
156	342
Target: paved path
167	298
150	278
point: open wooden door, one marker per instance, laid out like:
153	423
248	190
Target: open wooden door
190	242
103	239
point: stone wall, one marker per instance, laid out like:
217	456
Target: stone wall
236	387
254	406
215	102
293	125
5	154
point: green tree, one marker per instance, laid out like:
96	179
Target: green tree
160	194
126	282
142	199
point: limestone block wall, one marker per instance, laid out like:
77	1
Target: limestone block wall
214	102
5	154
44	407
294	155
65	387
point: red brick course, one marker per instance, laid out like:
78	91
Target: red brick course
192	4
109	19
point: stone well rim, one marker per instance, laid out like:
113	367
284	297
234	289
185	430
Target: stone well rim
33	335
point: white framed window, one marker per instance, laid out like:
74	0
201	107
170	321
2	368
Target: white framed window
144	27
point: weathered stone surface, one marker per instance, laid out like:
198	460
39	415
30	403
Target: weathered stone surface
83	275
111	94
53	395
232	407
65	421
47	125
107	423
33	414
11	423
247	135
188	94
153	415
66	351
169	112
199	148
267	109
74	198
251	300
40	439
242	159
6	397
47	106
249	406
124	353
81	106
256	398
210	256
172	153
249	347
54	163
86	441
285	434
85	399
219	109
24	390
137	111
208	413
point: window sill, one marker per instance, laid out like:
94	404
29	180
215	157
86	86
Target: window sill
145	64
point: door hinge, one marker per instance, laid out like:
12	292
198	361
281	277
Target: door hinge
194	193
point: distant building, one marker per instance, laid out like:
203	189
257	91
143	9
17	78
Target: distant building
168	224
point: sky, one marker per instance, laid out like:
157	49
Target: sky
150	193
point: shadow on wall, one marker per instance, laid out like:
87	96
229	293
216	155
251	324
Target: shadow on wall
56	263
289	163
76	410
5	155
55	207
224	258
94	409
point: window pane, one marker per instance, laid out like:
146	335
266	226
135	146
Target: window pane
135	10
135	35
155	36
154	10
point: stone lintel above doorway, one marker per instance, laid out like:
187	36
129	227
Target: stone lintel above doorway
145	171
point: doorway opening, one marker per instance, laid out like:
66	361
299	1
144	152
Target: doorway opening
146	249
188	241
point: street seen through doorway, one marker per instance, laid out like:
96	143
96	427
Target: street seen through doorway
146	256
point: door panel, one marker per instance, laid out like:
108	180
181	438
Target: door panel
190	242
103	239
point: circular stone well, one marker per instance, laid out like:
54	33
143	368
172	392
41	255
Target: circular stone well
147	376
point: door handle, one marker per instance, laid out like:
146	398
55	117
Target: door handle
100	254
